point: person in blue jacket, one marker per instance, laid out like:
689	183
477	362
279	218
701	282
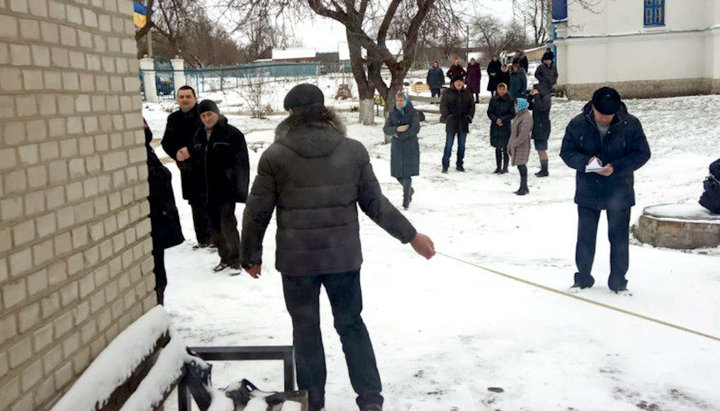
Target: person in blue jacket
403	123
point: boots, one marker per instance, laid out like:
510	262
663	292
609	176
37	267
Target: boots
498	160
408	191
543	169
523	181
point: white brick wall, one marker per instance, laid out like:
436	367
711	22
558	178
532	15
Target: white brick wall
75	264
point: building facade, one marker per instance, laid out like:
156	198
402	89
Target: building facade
644	48
75	248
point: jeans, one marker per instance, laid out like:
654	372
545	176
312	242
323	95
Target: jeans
449	140
224	227
302	299
619	236
201	221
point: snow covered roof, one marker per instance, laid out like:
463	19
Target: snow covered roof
293	53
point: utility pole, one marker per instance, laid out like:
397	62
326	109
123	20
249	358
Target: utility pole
467	43
149	35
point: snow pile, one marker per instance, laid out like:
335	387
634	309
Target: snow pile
116	362
683	212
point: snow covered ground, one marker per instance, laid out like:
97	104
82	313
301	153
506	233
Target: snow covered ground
443	331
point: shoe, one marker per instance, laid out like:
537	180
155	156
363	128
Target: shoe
522	191
497	171
504	171
460	168
542	173
220	267
583	281
372	407
617	284
445	170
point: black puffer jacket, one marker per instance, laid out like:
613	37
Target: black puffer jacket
316	177
222	161
710	198
457	109
540	105
503	108
625	147
179	132
164	219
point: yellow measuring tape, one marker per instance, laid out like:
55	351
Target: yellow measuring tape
599	304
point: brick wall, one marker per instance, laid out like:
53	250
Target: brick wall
75	262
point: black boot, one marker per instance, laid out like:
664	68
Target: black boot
407	192
523	181
583	281
498	161
543	169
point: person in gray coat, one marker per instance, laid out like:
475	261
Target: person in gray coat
518	81
317	177
403	123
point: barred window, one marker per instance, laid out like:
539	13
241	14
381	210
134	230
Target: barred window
654	12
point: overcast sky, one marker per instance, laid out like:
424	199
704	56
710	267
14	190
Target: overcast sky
324	34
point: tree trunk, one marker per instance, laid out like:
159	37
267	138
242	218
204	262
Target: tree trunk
365	89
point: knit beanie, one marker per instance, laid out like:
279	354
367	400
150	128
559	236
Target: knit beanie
606	100
522	104
303	95
208	105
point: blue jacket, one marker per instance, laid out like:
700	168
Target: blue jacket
625	147
405	150
435	78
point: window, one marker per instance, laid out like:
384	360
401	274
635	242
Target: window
654	12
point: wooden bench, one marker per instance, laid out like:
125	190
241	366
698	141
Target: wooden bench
140	368
420	88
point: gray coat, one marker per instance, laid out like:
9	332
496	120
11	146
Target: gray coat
547	77
316	177
405	149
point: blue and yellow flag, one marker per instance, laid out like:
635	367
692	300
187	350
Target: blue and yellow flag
140	16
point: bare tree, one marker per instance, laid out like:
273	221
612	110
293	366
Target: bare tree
494	37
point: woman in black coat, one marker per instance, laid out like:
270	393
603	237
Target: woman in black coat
403	123
164	219
494	69
500	111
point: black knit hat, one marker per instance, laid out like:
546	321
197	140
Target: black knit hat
208	105
606	100
457	77
516	61
303	95
549	55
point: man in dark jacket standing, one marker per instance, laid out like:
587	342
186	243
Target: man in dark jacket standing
493	69
606	136
457	109
518	81
316	177
455	70
435	79
221	155
177	140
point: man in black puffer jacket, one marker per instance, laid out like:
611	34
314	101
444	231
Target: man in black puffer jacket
457	109
607	133
221	155
317	177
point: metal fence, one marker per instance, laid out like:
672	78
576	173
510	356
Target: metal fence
215	78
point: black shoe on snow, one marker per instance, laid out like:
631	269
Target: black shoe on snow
617	285
583	281
523	191
497	171
504	171
220	267
373	407
460	168
444	170
542	173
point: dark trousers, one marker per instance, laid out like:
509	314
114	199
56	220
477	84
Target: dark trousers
160	274
501	158
407	189
435	92
619	235
449	140
201	221
477	97
226	236
302	299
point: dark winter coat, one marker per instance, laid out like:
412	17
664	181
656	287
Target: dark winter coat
223	161
405	149
457	109
316	177
179	132
624	146
456	70
494	69
518	84
710	198
547	77
165	227
435	78
540	105
473	77
523	62
519	144
504	77
500	108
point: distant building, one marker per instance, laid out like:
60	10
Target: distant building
644	48
294	55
